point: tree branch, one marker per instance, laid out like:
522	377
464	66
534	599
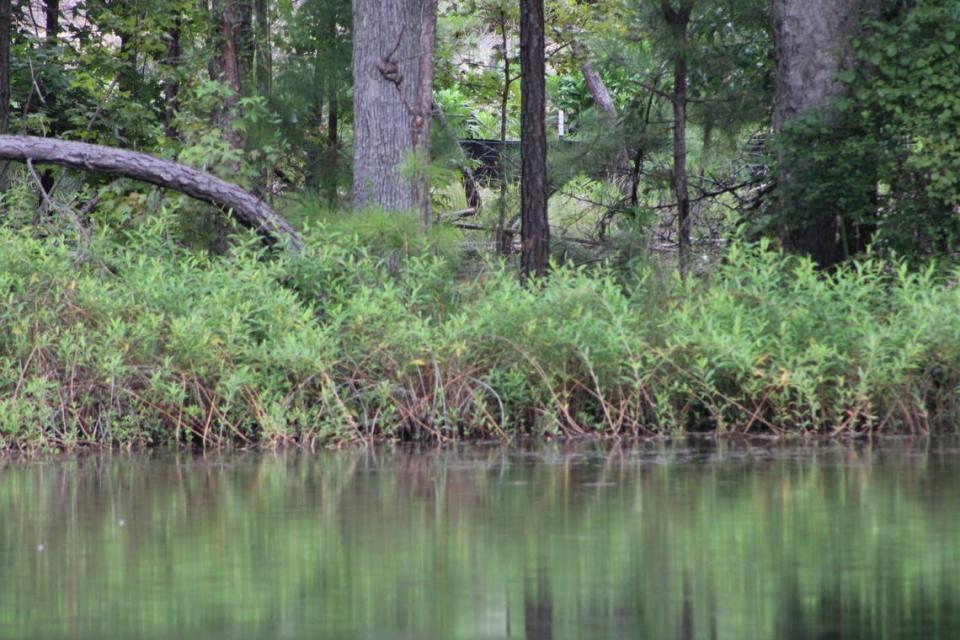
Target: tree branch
246	209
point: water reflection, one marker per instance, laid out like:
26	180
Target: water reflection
703	540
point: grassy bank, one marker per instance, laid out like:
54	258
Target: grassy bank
139	343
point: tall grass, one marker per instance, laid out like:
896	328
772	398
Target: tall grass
138	342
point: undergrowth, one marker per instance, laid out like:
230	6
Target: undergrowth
139	342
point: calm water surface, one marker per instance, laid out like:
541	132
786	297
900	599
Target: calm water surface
589	542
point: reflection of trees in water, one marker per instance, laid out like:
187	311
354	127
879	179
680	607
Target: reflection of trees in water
835	612
538	607
693	541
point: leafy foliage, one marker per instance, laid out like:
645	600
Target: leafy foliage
138	342
908	96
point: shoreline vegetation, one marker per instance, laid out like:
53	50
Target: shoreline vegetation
135	342
477	221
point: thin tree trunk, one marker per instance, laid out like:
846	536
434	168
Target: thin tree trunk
232	74
171	90
52	14
264	49
504	238
333	116
127	77
314	171
535	227
623	175
52	11
470	187
640	157
333	91
333	131
423	111
386	79
679	19
247	209
6	27
228	16
246	44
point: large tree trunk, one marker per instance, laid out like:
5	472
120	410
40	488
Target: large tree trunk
247	209
678	20
386	78
813	40
535	227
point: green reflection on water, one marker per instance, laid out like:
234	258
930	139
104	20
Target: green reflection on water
657	541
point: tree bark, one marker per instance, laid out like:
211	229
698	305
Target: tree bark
333	114
423	111
813	43
6	26
227	17
246	43
622	171
247	210
52	11
52	14
386	80
535	227
6	31
504	238
171	90
678	20
331	181
264	49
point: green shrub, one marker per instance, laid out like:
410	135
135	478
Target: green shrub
143	343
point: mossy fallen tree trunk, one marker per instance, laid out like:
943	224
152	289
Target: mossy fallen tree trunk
247	209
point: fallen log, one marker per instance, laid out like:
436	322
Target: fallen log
246	208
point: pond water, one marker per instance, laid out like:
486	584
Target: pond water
695	540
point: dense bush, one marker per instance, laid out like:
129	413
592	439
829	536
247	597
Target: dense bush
134	343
